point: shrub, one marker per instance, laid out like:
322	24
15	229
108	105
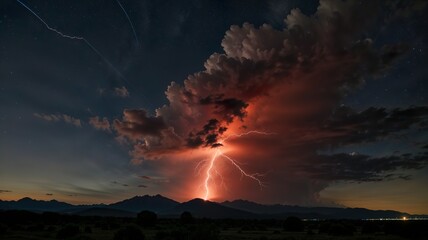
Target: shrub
52	218
324	227
18	217
407	229
370	228
51	229
68	232
36	227
340	229
194	232
147	218
294	224
206	232
88	229
161	235
3	229
186	218
113	226
129	233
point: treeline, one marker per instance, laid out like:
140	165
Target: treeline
147	225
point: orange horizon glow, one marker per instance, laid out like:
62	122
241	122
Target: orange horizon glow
84	201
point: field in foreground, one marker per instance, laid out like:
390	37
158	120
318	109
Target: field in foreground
28	225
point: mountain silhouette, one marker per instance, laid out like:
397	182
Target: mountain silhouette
166	207
35	205
207	209
279	211
155	203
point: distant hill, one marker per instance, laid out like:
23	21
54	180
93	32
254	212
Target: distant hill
207	209
155	203
166	207
133	205
35	205
282	211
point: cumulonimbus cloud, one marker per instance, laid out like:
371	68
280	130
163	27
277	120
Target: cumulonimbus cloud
289	81
315	59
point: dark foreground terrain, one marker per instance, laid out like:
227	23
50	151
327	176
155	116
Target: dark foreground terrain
16	224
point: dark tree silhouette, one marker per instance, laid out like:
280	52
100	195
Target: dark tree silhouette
68	231
52	218
186	218
129	233
200	231
88	229
19	217
3	229
370	228
324	227
206	232
294	224
341	229
147	218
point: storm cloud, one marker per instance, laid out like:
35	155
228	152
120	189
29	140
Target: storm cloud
289	81
360	167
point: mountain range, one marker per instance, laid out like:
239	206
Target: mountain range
165	207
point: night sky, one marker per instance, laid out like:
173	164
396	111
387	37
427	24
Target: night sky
314	103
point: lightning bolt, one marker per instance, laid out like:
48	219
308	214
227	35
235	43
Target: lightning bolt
130	22
243	173
208	176
73	38
210	169
245	134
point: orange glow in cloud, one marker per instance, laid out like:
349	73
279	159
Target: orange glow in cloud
212	168
215	169
208	174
